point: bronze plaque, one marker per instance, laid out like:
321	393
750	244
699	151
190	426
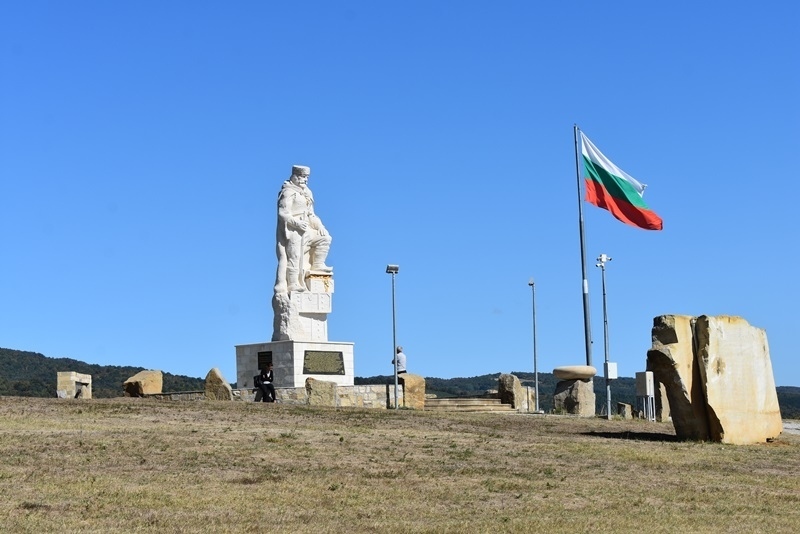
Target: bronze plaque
323	362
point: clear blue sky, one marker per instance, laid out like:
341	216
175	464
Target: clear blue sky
142	146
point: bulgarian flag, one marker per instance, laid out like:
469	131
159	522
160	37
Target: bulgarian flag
611	188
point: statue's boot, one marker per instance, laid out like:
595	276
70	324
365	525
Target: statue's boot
318	259
293	277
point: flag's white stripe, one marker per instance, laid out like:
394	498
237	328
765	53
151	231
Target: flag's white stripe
597	157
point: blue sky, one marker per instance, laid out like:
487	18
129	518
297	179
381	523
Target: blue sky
142	146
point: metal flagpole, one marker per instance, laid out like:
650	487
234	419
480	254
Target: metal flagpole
586	323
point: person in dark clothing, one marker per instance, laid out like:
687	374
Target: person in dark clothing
264	383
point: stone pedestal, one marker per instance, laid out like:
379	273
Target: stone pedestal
295	361
303	315
575	397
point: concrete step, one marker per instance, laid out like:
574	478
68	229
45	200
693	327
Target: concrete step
467	404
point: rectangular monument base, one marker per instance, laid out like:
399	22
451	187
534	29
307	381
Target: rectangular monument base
295	361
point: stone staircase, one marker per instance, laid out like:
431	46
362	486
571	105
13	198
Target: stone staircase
467	404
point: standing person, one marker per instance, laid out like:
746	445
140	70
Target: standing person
401	360
265	384
299	232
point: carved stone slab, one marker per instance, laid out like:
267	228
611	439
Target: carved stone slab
575	372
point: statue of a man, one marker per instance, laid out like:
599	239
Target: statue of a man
302	240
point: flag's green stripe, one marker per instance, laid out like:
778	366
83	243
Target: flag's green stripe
616	186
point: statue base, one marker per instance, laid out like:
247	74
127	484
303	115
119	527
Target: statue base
304	314
295	361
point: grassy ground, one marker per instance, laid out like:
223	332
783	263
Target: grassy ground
127	465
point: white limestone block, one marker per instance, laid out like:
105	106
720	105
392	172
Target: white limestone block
741	398
311	302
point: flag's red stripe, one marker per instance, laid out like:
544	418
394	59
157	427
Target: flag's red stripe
598	195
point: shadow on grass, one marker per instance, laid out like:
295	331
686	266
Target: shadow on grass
636	436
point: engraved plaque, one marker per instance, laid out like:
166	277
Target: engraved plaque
323	362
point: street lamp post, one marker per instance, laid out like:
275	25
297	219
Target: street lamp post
393	270
601	262
535	366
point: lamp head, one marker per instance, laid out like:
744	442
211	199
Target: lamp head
392	269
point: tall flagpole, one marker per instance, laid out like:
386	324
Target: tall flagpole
587	328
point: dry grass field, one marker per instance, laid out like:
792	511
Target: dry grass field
128	465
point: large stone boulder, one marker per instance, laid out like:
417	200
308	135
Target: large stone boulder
672	361
624	410
574	397
217	388
739	386
413	390
510	391
662	403
718	377
321	392
144	383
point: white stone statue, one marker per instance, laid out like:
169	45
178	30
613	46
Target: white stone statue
302	240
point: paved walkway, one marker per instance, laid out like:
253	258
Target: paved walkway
791	427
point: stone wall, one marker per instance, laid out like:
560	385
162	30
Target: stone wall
380	396
177	396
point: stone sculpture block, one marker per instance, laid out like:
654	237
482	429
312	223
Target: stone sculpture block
672	361
739	386
413	391
321	392
718	378
510	390
143	383
73	385
217	388
574	372
574	397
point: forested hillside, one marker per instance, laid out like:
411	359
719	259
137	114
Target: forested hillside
30	374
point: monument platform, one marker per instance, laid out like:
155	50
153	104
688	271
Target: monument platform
295	361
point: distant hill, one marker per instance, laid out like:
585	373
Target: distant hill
30	374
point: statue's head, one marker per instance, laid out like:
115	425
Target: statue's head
300	174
